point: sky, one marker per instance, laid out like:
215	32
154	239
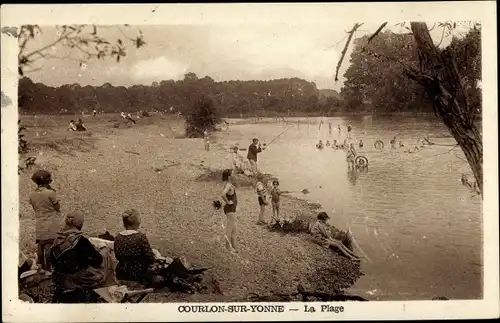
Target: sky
223	52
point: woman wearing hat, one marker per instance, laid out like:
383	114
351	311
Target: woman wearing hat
47	215
323	236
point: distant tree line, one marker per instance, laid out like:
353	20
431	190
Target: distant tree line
249	98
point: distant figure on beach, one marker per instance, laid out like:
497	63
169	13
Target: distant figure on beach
339	129
349	128
253	150
329	127
393	143
361	143
129	118
275	200
72	126
80	126
47	215
328	143
206	140
322	233
261	197
231	201
94	113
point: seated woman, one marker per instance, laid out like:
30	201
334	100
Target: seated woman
325	237
75	262
133	251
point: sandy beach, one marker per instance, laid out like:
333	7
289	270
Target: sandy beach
150	167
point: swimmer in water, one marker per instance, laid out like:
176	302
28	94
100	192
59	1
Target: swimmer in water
393	143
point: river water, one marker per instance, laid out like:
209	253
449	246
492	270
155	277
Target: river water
420	227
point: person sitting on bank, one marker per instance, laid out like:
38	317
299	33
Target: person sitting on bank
319	144
328	143
253	150
322	233
76	263
80	126
335	144
361	143
133	251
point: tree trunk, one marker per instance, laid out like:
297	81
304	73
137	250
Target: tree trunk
439	76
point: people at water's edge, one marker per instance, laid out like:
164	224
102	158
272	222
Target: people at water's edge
260	187
231	202
47	215
253	150
324	236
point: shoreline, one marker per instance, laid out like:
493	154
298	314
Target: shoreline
294	259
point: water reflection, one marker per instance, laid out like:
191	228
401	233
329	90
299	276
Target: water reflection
410	213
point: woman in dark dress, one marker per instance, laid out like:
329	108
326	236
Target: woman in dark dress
76	264
133	251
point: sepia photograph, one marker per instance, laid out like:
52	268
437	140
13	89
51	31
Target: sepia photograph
276	167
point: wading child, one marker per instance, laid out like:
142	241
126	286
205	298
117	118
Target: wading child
275	200
47	215
261	196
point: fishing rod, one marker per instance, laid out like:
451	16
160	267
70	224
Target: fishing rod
279	136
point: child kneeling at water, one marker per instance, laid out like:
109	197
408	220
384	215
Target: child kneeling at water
262	197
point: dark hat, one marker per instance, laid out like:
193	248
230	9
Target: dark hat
41	177
323	216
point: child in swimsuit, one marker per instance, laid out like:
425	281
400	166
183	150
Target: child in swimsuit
275	200
262	197
229	197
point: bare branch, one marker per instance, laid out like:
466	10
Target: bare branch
351	33
374	34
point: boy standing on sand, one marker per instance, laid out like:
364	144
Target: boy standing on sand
206	139
275	200
262	197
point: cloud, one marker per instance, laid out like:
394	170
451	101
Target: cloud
157	69
278	50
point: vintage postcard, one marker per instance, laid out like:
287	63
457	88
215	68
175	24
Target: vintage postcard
218	162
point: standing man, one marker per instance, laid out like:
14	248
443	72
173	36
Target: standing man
329	127
253	150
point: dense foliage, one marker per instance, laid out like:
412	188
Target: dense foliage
232	98
375	80
203	116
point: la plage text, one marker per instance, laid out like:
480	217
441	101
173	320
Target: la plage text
256	308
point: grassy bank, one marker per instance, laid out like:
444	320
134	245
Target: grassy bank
173	182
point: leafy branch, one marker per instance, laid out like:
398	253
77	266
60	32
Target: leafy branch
84	39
